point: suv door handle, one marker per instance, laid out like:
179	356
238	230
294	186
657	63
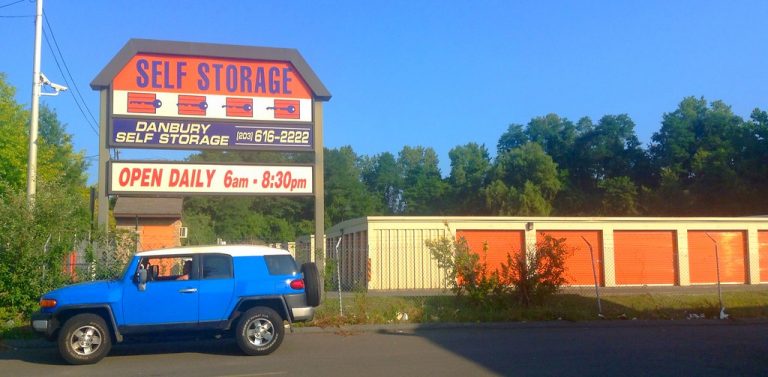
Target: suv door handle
188	290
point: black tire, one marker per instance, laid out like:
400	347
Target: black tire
260	331
312	284
84	339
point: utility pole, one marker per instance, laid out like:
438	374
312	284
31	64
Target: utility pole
36	88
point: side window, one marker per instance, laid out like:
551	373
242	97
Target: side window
168	268
281	265
217	266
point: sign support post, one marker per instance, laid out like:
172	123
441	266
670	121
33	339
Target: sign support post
103	200
35	111
319	188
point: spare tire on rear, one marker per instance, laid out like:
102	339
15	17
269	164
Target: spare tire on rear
312	284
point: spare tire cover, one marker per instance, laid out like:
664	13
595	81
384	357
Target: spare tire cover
312	284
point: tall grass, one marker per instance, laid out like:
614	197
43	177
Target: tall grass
366	309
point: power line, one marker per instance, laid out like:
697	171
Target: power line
9	4
56	60
74	82
29	16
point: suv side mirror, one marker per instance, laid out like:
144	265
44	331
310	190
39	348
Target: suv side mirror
142	279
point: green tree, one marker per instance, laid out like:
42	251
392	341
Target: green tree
501	199
619	197
57	158
556	136
346	196
382	177
13	138
470	165
601	154
514	137
751	166
525	181
700	145
424	188
200	228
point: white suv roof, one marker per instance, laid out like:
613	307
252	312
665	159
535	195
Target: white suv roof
233	250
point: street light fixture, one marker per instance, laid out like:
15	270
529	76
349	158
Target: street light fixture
57	88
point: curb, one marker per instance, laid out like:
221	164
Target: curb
414	327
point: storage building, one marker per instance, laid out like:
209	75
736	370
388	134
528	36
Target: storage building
389	253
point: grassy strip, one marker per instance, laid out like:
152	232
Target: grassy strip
14	326
364	309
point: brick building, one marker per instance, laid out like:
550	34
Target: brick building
157	220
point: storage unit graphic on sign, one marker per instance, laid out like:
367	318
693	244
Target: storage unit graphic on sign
211	88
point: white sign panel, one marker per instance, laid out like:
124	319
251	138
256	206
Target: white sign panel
179	105
183	178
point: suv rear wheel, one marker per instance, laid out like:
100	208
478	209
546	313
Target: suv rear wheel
84	339
260	331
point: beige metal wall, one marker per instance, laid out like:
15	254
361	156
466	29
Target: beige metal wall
391	252
305	249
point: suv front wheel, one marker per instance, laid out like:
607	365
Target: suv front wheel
260	331
84	339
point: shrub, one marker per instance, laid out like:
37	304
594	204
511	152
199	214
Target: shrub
538	273
527	277
34	241
467	274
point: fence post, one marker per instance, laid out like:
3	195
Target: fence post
594	276
338	274
45	252
717	268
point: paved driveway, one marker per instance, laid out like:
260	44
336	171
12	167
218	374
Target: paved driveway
615	348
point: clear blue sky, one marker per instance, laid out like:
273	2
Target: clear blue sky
431	73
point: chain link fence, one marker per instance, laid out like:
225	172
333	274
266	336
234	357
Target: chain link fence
96	258
641	276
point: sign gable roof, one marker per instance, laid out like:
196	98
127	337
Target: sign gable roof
135	46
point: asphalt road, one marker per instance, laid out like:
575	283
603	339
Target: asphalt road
616	348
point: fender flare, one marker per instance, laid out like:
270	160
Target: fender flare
243	300
84	308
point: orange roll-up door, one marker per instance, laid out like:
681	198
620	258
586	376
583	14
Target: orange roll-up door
500	243
701	256
645	257
578	265
762	239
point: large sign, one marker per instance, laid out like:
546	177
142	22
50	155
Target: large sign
168	95
134	177
195	134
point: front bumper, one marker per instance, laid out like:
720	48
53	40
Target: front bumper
45	324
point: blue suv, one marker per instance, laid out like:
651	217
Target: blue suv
245	291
